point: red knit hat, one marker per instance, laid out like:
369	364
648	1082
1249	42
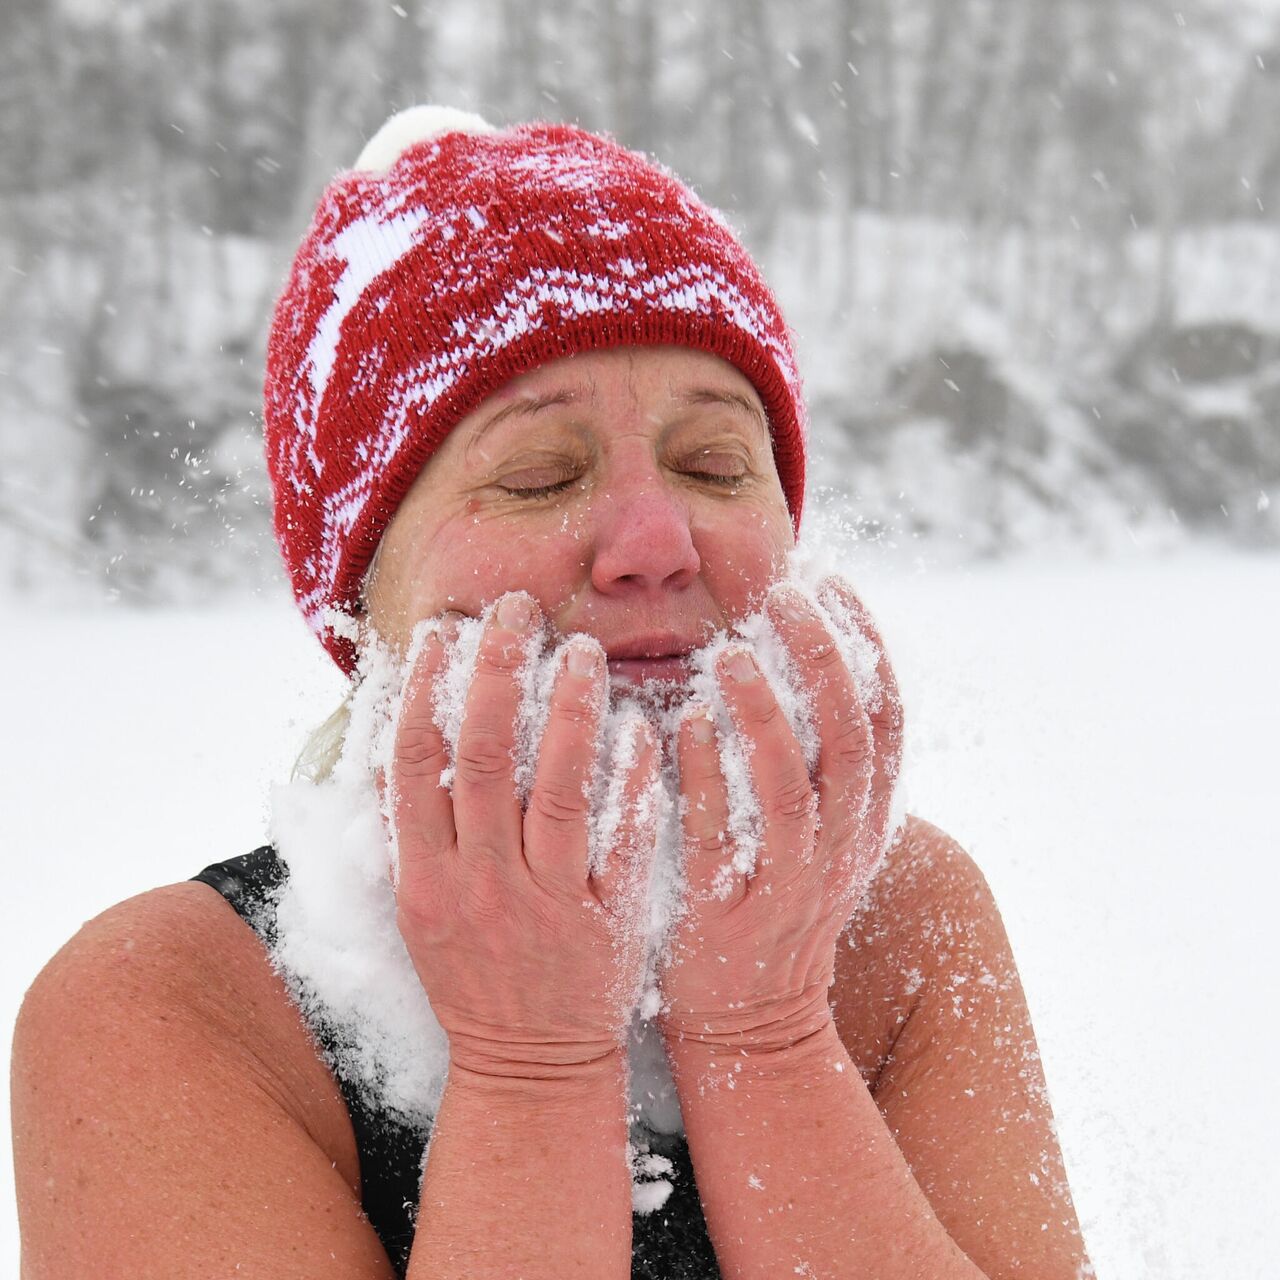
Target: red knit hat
475	255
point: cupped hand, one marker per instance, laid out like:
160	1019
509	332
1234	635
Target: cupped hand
531	962
753	954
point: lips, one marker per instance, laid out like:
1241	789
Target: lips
663	658
666	670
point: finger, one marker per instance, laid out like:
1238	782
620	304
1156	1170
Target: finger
622	866
788	807
555	827
846	748
883	700
421	809
704	817
485	805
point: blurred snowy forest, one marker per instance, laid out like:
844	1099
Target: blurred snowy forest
1031	248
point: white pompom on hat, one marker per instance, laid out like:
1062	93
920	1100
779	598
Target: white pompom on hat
416	124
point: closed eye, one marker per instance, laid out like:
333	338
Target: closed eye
534	492
720	467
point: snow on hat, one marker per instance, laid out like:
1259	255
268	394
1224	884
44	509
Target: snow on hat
453	257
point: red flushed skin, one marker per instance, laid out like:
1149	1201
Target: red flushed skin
640	549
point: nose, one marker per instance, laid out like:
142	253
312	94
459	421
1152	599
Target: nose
643	543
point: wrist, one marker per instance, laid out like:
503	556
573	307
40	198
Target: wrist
775	1027
697	1064
582	1099
522	1072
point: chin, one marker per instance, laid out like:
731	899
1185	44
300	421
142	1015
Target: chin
657	696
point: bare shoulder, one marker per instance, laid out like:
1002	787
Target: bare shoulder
924	869
181	954
927	894
157	1062
931	1008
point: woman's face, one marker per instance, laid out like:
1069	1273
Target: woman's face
631	492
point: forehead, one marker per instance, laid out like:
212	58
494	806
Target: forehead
663	377
648	361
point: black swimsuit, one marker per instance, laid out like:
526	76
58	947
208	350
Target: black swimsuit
669	1244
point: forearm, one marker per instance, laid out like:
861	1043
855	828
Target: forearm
527	1178
797	1171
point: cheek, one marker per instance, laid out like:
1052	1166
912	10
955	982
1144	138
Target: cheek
742	558
475	561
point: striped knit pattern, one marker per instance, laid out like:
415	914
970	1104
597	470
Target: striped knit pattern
419	291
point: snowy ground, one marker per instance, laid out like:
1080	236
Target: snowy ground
1101	737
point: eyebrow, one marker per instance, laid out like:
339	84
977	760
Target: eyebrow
715	395
528	405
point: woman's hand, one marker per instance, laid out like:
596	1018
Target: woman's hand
531	964
750	968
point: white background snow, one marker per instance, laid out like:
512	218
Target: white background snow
1100	736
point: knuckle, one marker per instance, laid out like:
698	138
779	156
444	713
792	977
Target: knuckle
706	844
850	746
765	713
739	924
484	756
499	658
880	797
703	772
792	800
420	752
574	709
482	896
840	833
889	714
484	916
825	656
560	802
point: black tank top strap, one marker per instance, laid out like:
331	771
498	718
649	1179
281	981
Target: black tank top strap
390	1153
250	884
670	1243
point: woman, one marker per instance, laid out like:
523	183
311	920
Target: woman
527	375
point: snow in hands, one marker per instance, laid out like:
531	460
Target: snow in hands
339	942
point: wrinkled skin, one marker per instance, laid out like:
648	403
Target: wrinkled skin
632	495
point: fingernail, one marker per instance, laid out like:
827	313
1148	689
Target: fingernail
741	666
450	625
582	659
514	612
701	727
788	603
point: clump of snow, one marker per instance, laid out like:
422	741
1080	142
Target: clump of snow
338	944
650	1187
341	953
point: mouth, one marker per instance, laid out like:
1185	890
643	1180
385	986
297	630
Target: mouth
670	669
661	659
